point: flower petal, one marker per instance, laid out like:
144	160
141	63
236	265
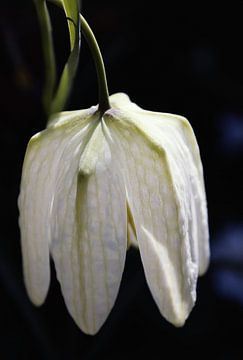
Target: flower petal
181	130
182	134
35	204
160	197
199	193
90	243
121	101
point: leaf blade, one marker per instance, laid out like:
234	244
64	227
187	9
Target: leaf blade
71	8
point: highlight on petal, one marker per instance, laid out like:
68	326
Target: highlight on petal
121	101
158	178
38	187
89	246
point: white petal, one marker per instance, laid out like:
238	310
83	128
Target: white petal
122	102
90	244
74	116
177	127
35	205
160	197
179	133
200	200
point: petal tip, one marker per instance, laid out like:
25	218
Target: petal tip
179	316
204	267
179	320
35	297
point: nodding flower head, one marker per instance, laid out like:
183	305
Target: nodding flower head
92	185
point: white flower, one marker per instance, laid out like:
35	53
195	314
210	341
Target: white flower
91	186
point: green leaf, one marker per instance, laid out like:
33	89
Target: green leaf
54	100
72	9
48	53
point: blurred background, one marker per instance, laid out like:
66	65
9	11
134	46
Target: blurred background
186	60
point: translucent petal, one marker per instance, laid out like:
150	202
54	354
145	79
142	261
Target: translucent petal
199	198
90	242
74	116
176	132
160	197
174	129
35	203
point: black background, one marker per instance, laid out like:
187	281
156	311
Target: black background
180	59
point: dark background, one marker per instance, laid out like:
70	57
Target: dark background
181	59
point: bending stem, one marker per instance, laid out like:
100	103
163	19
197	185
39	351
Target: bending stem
104	103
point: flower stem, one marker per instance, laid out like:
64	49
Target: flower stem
99	64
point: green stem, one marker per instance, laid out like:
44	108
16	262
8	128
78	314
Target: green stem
104	103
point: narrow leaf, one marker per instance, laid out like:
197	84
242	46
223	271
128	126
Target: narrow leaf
71	8
48	53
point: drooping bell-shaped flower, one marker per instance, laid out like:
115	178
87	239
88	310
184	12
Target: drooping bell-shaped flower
93	184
